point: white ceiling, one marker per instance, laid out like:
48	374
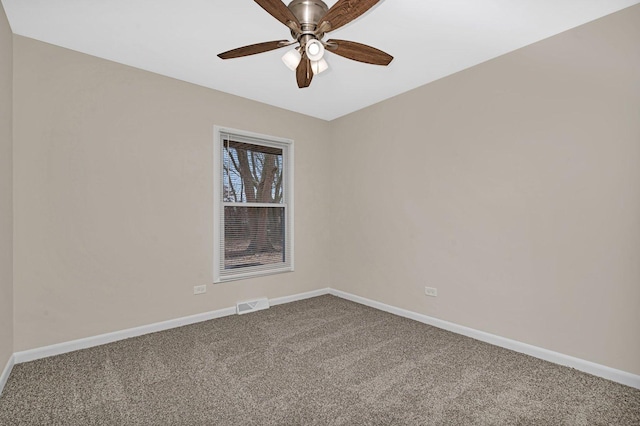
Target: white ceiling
429	39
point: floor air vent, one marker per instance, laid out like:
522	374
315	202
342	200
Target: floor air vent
252	306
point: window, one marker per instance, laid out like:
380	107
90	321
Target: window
253	204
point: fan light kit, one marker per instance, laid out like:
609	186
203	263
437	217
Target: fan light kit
308	21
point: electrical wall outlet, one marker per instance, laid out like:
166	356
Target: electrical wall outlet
431	291
199	289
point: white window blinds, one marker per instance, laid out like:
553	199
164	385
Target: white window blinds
254	205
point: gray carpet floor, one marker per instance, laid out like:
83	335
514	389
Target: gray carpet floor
321	361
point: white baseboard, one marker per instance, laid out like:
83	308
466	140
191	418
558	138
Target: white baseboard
300	296
599	370
88	342
6	372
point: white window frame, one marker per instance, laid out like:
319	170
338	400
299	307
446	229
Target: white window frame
218	205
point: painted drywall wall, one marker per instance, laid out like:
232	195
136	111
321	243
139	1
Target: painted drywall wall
113	196
513	188
6	190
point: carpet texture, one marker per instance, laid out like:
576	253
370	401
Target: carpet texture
321	361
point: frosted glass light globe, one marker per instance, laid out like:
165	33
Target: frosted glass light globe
315	50
291	59
319	66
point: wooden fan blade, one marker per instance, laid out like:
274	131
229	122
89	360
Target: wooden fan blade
253	49
278	10
345	11
359	52
304	73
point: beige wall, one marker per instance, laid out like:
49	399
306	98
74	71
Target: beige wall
514	188
113	196
6	191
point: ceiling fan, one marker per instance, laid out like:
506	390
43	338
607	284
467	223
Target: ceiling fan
308	21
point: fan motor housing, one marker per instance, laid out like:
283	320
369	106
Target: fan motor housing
308	12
